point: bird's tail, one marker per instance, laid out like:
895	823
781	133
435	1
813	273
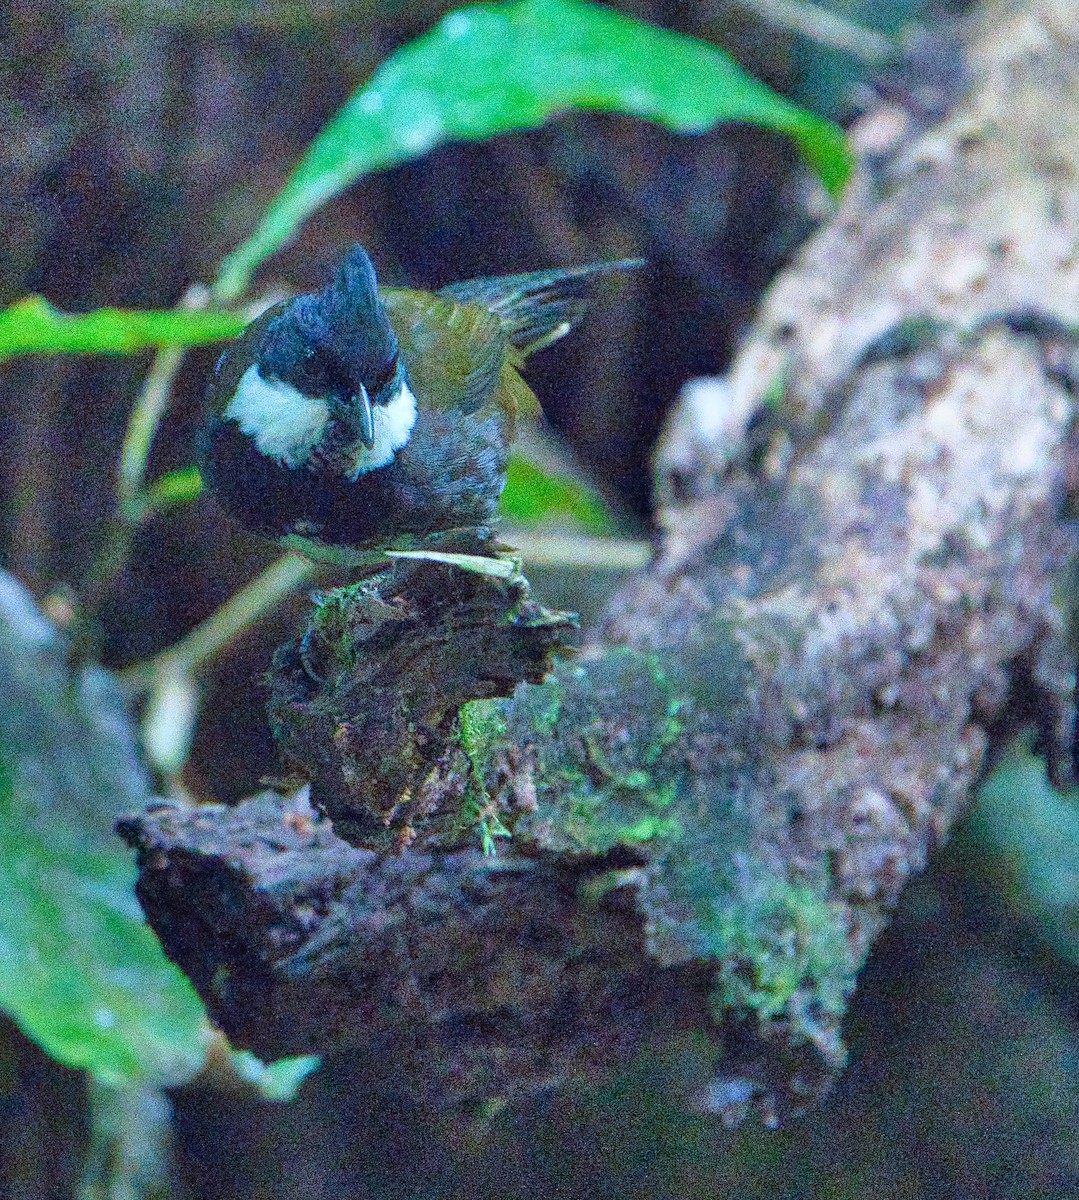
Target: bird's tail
538	308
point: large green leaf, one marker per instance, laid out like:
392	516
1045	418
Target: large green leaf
489	69
80	972
32	325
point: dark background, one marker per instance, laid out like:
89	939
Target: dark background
139	142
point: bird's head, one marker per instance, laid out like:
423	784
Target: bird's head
317	383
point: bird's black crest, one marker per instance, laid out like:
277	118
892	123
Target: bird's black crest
349	305
346	322
353	291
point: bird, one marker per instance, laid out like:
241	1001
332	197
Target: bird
356	418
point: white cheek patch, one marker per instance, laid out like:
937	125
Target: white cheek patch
281	421
393	427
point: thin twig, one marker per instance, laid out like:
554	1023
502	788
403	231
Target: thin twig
825	27
205	641
147	413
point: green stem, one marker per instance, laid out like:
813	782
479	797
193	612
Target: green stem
205	641
142	426
825	27
577	550
146	416
232	280
128	1154
106	566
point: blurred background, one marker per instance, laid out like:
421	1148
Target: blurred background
139	142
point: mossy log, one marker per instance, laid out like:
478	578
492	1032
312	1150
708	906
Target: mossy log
708	813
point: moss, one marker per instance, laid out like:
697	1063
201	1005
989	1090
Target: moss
611	740
783	951
481	730
333	612
649	829
546	717
776	390
608	767
367	703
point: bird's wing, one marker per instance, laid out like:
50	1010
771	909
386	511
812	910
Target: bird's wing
457	354
537	308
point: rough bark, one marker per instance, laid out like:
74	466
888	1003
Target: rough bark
714	808
366	704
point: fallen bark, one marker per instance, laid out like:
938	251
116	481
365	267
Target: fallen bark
713	809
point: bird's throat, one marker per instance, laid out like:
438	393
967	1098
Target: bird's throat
393	423
299	430
283	423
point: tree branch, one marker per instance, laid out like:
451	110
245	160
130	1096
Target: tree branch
713	809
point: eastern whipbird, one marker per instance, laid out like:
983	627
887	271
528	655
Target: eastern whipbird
356	419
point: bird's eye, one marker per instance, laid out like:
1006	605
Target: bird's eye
387	377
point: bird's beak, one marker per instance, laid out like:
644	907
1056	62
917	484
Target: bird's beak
365	418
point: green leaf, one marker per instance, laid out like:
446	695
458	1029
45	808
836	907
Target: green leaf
174	490
278	1080
534	495
489	69
80	971
1035	829
33	326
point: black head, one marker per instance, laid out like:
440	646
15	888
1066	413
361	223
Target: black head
336	341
